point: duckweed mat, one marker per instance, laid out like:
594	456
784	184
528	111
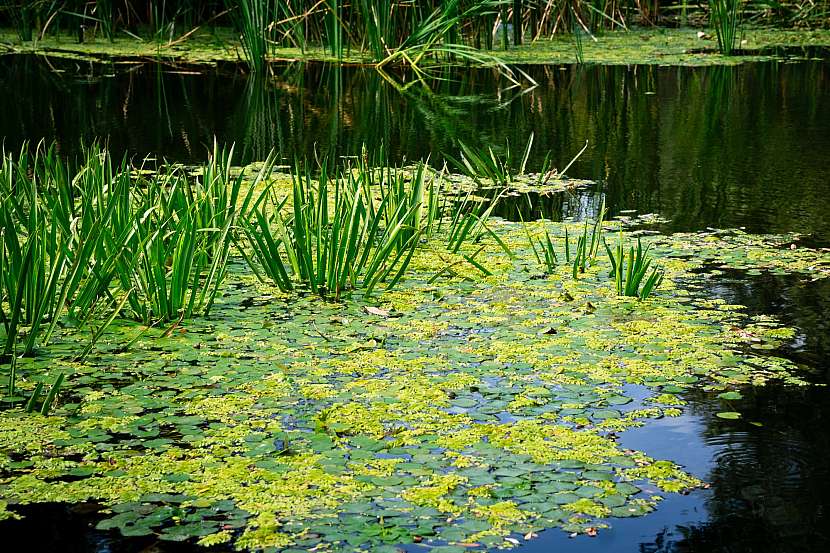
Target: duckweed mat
660	46
460	411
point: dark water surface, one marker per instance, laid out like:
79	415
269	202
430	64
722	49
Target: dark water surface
716	146
703	147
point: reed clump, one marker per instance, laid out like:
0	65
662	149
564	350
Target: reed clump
725	17
398	32
630	269
98	239
343	231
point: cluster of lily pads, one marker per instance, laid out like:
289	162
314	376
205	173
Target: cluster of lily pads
95	241
473	405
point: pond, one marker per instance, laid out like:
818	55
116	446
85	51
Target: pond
699	148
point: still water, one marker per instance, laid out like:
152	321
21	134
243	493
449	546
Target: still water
718	146
702	147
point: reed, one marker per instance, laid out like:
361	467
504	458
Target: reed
543	250
49	400
105	16
378	28
34	251
174	255
467	220
11	377
725	17
629	269
337	236
254	19
488	168
96	241
584	253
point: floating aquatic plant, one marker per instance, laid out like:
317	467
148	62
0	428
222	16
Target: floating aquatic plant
442	415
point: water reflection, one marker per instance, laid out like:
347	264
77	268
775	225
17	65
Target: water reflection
717	147
720	146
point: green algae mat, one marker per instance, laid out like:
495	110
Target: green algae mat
649	46
461	411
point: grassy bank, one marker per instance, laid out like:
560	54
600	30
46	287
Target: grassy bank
645	46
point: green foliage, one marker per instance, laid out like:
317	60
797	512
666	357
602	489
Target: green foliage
94	239
254	18
466	220
49	400
338	236
488	166
544	247
629	270
105	16
398	29
584	254
725	17
36	234
352	396
174	256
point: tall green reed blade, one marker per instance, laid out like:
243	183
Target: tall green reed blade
548	257
54	389
336	238
31	404
254	18
587	245
629	269
11	382
725	17
104	13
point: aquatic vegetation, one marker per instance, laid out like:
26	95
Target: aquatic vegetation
163	241
46	405
254	19
629	272
36	217
380	29
353	243
472	407
725	17
93	240
584	254
105	16
649	46
547	250
498	170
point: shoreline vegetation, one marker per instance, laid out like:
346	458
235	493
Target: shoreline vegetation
646	46
416	35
